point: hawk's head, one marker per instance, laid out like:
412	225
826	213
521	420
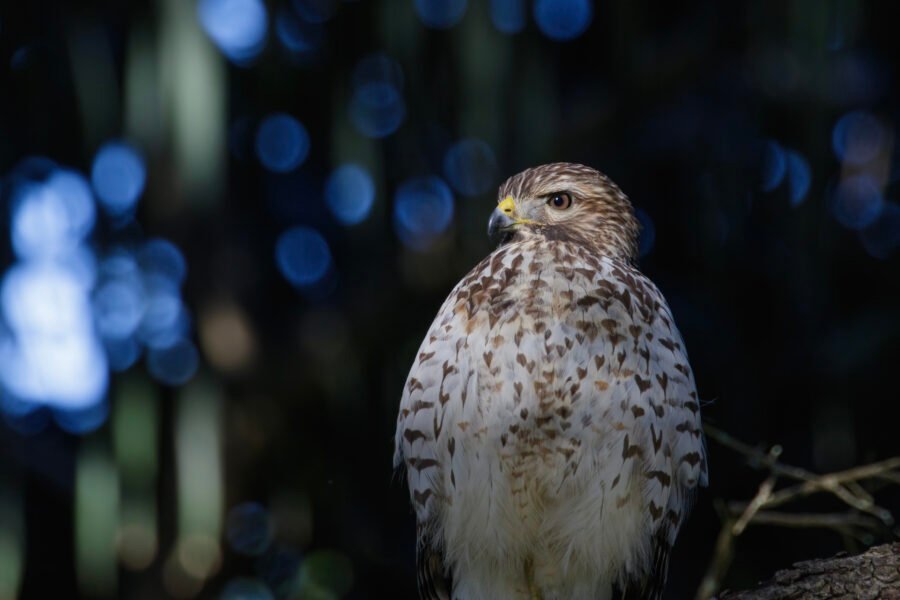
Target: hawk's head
566	201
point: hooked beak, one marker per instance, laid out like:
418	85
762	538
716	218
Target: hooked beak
503	221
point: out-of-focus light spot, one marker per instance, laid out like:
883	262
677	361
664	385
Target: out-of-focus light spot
799	177
857	202
226	337
164	319
137	545
118	308
297	36
175	364
303	256
83	420
882	237
377	109
423	208
774	166
441	14
122	353
508	15
42	297
249	529
163	258
648	232
563	20
245	588
237	27
199	554
326	572
119	262
118	176
282	143
54	358
470	167
858	137
350	194
315	11
51	219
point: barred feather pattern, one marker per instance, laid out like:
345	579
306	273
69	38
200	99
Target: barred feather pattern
550	429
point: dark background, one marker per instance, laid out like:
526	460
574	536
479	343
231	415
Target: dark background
757	139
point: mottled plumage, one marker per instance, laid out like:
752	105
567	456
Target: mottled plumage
550	426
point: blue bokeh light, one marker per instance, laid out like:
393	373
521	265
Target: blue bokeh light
52	356
377	109
471	167
799	176
82	420
51	219
300	38
249	529
563	20
423	208
441	14
881	238
118	308
246	588
237	27
774	166
119	263
858	137
315	11
163	258
282	143
647	237
508	16
175	364
164	320
857	201
118	176
350	194
303	256
122	353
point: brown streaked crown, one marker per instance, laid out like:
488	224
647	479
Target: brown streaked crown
601	215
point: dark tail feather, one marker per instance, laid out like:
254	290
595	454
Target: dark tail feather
434	581
652	585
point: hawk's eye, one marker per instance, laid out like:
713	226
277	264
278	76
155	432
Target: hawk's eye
560	201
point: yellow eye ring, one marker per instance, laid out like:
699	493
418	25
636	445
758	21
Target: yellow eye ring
560	201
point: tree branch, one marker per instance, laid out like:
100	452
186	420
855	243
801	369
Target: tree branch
865	518
873	575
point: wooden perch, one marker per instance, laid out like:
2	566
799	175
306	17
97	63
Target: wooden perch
873	575
862	522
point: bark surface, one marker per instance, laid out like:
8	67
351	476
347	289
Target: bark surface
873	575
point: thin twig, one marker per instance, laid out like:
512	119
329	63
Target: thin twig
845	485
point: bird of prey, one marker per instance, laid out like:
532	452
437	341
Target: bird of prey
550	425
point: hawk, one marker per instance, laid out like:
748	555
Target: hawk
550	425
